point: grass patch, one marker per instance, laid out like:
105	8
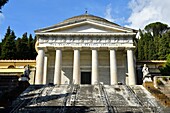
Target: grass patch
159	82
157	93
165	79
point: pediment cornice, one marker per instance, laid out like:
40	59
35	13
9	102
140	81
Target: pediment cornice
106	26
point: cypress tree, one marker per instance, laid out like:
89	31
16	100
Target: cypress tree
19	48
8	32
156	43
2	3
30	47
0	48
24	45
165	71
140	50
164	46
9	47
33	46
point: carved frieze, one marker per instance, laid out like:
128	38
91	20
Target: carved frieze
84	41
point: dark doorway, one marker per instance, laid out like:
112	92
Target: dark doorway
85	77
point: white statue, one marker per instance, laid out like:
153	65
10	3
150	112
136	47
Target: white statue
145	70
146	75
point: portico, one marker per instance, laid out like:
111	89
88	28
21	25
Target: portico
85	43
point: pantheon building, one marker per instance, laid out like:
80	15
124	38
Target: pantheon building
85	49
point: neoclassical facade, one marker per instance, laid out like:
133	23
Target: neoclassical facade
85	49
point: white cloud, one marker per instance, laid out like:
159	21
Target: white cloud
108	13
148	11
1	18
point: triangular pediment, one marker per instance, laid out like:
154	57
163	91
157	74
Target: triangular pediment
85	27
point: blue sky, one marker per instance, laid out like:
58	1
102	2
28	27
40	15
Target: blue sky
28	15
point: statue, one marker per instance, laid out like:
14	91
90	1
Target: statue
145	70
27	71
146	75
25	76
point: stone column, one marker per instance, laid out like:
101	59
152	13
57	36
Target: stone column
113	67
45	69
95	78
131	67
39	66
58	62
76	66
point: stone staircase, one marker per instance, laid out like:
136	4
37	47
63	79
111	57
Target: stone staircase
86	99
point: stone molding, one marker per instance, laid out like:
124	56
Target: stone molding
18	61
85	41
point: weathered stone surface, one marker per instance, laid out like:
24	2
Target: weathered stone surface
86	98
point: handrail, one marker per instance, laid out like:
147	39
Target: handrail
106	99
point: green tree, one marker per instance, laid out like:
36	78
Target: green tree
2	3
154	42
164	46
9	47
165	71
147	37
151	49
19	48
8	32
22	46
34	54
156	28
0	48
31	47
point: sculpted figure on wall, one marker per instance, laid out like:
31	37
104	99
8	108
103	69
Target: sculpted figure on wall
146	75
145	70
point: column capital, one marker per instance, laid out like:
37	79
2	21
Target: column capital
40	48
113	48
95	48
45	49
77	47
59	48
130	48
46	54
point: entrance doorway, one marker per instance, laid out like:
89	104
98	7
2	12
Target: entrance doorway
85	77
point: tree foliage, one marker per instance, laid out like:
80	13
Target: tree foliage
154	43
2	3
8	45
165	71
20	48
156	28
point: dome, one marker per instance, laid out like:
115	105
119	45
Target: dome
87	17
80	18
84	17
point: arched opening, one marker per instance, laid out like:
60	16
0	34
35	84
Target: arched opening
11	66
